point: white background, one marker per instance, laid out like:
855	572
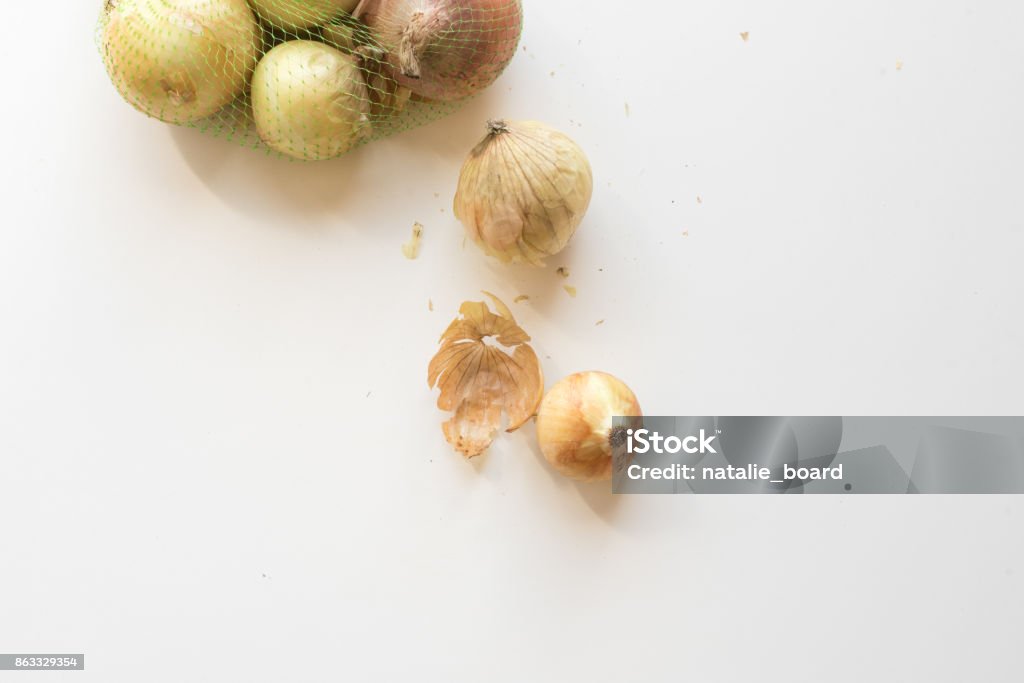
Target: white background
219	459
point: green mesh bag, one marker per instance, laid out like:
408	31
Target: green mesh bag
307	79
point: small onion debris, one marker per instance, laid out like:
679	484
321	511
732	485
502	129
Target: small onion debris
411	249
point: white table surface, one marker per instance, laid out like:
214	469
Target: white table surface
219	458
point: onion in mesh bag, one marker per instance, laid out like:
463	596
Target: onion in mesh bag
445	49
310	100
179	60
293	15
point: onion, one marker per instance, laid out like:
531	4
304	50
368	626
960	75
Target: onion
309	100
445	49
294	15
523	191
576	426
179	60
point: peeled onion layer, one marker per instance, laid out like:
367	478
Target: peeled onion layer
179	60
297	15
309	100
445	50
480	382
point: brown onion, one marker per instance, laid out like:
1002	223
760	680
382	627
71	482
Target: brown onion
576	426
445	49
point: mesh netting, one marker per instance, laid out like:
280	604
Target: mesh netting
308	79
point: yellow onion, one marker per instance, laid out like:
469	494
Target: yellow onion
179	60
523	191
309	100
575	426
295	15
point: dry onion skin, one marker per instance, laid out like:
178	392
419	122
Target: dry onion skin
411	249
179	60
575	424
296	15
523	191
387	97
445	50
309	100
480	380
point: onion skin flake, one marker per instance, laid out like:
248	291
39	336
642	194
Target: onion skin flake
484	368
